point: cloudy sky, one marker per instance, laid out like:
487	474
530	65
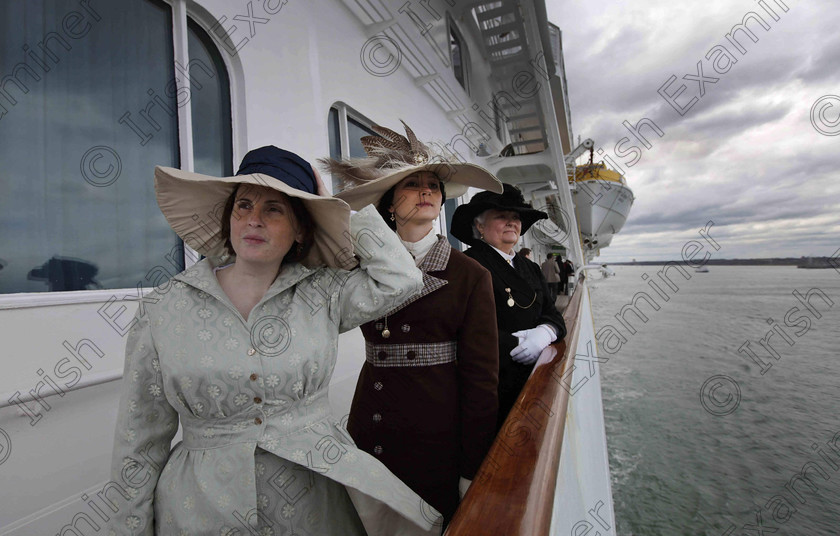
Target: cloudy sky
746	155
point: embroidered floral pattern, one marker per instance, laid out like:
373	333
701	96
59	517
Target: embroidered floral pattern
189	348
288	511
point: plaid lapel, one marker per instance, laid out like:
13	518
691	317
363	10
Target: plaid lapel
435	261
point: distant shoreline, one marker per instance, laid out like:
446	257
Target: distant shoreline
801	262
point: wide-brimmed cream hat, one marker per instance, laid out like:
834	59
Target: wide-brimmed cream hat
193	204
393	157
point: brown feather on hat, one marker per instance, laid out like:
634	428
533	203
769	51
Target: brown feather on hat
393	149
393	157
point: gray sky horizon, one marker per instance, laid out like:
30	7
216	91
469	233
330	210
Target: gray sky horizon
749	123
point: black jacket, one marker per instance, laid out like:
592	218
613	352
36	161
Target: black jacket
533	306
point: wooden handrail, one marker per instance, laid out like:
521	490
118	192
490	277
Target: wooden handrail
513	492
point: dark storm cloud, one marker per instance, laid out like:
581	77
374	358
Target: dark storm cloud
723	123
822	65
746	154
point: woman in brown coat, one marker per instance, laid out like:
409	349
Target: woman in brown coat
425	402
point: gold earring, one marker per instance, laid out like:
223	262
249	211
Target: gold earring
392	217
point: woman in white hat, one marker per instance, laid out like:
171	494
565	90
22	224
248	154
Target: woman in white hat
240	348
425	401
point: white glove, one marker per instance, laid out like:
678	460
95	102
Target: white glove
463	486
531	343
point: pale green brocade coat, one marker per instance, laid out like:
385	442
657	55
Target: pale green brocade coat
237	385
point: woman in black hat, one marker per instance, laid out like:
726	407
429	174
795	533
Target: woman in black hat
525	314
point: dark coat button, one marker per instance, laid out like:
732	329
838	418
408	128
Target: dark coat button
410	354
382	355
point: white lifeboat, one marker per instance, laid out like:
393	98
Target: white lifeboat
602	202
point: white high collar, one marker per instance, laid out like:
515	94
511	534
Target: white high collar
508	257
421	248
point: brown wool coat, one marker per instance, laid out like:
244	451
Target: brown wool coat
426	399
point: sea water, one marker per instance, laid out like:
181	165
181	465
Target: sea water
704	439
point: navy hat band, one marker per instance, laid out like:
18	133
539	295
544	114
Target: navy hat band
285	166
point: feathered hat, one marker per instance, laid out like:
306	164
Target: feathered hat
393	157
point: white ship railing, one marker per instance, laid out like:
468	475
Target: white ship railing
90	380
